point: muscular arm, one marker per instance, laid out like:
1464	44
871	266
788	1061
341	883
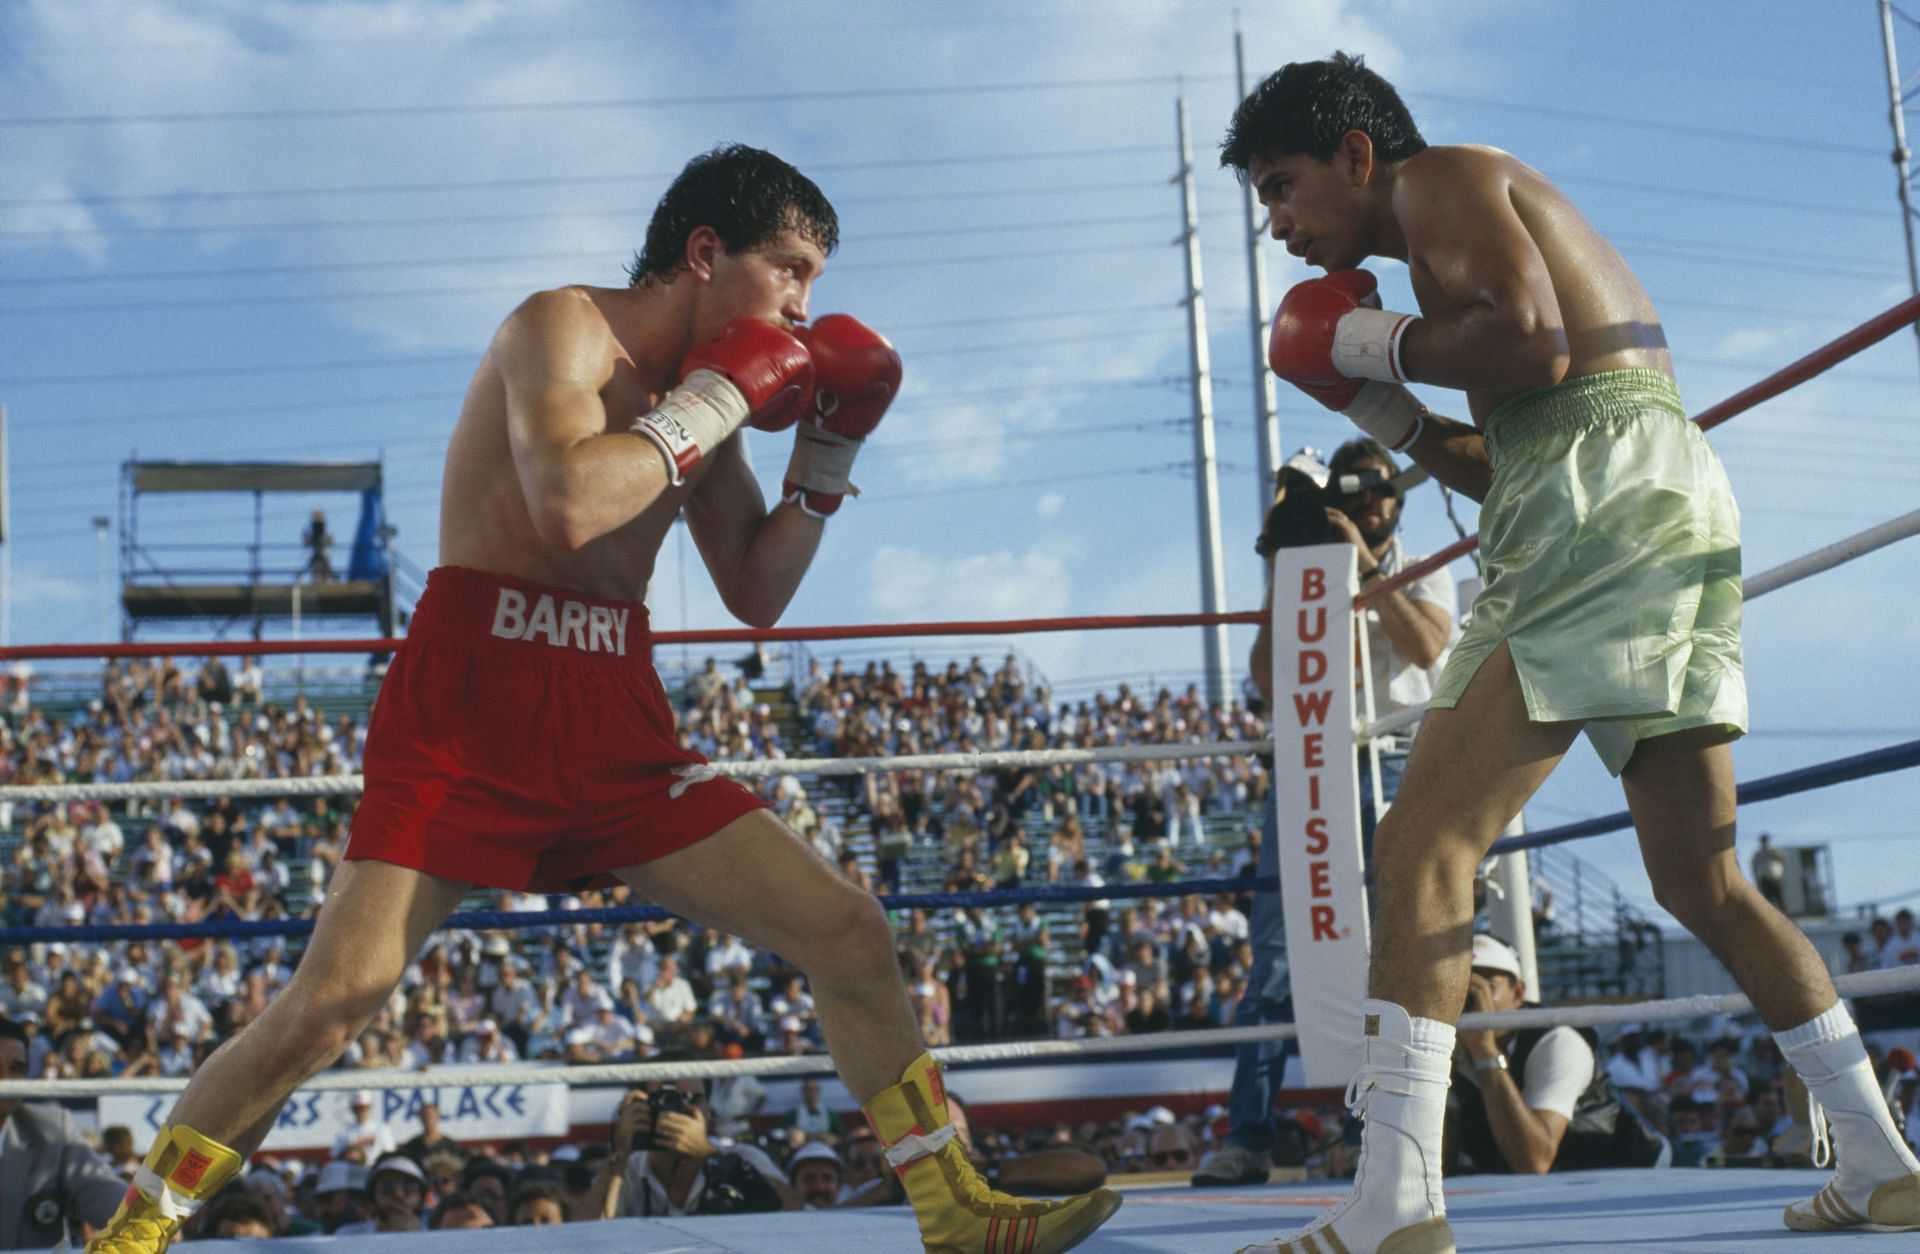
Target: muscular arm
1455	453
756	556
1528	1139
581	481
1418	629
1504	330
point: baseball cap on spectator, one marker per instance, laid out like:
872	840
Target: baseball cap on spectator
397	1163
362	1097
1490	954
1126	977
579	1036
813	1151
488	1025
498	947
75	912
1160	1115
269	1178
564	1154
341	1177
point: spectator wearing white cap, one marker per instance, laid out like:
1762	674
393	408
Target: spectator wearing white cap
339	1196
366	1139
398	1188
1517	1092
817	1175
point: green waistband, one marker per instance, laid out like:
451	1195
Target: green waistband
1578	405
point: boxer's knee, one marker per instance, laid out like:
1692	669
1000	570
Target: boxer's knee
848	937
1426	867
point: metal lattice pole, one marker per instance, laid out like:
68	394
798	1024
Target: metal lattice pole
1206	472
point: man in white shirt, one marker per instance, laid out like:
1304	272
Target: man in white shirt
1514	1093
366	1139
671	1001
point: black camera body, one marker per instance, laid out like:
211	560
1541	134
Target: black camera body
1298	515
667	1099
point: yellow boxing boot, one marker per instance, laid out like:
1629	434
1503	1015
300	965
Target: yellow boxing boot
182	1170
958	1213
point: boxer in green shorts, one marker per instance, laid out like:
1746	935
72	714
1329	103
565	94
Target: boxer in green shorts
1611	546
1612	603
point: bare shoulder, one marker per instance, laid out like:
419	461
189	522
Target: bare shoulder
1449	172
561	330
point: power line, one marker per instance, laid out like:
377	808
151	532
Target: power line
614	213
364	363
345	267
487	289
1652	124
565	180
497	108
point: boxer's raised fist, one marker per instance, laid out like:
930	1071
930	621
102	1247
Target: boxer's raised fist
856	376
752	371
771	367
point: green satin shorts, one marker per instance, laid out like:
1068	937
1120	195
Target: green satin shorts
1611	549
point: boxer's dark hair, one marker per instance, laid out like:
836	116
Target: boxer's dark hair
1308	105
746	195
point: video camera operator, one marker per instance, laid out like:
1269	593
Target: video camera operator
666	1161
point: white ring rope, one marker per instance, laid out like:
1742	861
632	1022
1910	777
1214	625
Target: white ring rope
327	785
1864	984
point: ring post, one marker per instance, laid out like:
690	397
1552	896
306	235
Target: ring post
1316	795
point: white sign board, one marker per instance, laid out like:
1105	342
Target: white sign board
1316	794
311	1120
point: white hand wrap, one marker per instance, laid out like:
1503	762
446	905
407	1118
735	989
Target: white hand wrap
1366	344
1389	413
912	1147
692	420
822	460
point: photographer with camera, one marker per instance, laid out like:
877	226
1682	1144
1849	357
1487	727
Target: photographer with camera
666	1162
1534	1101
1353	499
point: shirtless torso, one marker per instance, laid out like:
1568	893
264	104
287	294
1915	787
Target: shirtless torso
1455	248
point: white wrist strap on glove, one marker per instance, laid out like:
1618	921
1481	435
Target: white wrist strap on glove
692	420
822	460
1366	344
1389	413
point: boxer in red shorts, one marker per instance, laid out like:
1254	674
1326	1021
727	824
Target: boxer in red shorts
521	738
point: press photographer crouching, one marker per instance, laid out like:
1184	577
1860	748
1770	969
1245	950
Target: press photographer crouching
666	1161
1533	1101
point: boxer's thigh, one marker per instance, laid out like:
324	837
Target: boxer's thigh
756	879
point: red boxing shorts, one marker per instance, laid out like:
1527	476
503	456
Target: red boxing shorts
522	740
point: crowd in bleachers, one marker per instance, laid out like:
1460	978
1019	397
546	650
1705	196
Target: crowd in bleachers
588	992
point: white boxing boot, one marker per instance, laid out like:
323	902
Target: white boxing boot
1876	1180
1396	1205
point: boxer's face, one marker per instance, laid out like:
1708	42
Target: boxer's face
771	281
1315	206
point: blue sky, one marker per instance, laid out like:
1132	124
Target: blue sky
285	230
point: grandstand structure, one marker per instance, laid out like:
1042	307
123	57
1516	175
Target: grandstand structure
210	587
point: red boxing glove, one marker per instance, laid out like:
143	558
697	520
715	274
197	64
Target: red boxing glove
857	375
752	371
770	366
1332	340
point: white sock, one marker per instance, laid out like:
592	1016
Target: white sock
1402	1091
1830	1057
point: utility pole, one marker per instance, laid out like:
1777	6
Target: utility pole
1897	116
1266	418
1206	473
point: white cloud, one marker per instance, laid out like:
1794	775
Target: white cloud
1050	504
